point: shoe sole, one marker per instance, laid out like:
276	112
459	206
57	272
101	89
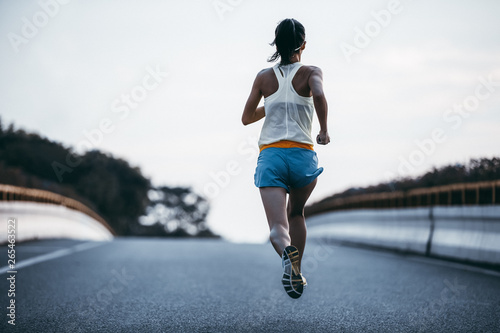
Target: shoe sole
292	279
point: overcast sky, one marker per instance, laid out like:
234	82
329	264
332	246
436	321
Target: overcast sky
410	85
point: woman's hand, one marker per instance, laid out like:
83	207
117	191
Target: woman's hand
323	138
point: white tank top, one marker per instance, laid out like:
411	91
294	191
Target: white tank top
288	115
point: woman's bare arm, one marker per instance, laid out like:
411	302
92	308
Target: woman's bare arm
252	113
320	104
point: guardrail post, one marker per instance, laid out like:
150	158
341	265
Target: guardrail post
428	246
493	190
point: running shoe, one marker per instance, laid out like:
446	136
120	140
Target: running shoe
292	280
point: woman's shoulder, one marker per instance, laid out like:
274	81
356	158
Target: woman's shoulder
308	71
265	75
265	71
310	68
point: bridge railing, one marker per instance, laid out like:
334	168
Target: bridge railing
479	193
16	193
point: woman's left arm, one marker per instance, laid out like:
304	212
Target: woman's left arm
252	113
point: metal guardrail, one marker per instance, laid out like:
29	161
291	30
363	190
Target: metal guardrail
16	193
479	193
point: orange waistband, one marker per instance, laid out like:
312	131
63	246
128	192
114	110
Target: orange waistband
287	144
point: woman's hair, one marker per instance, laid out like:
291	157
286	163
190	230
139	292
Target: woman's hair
288	38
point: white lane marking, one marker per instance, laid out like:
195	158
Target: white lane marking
52	255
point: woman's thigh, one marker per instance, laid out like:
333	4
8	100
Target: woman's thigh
274	200
298	198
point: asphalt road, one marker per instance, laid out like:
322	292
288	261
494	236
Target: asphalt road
151	285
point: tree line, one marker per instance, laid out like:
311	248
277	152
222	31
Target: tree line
114	189
476	170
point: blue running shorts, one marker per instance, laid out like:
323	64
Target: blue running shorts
286	167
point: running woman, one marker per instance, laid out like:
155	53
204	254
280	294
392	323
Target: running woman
287	163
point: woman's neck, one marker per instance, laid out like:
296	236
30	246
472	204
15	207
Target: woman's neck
295	58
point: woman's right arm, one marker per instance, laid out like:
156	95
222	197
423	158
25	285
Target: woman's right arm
252	113
320	104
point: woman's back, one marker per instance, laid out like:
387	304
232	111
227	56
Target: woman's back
300	81
289	115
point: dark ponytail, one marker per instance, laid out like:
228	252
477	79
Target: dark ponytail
288	38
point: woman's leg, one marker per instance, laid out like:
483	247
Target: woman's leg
274	200
296	221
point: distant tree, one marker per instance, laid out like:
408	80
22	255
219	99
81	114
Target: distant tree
484	169
178	210
118	190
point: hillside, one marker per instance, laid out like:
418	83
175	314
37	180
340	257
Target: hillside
110	186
